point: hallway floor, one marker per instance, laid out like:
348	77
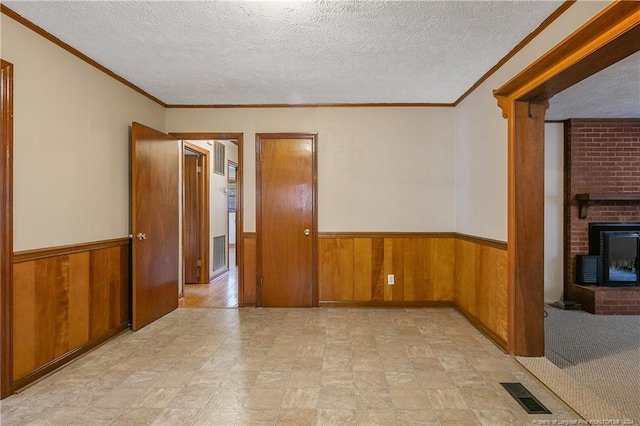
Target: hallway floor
219	293
288	367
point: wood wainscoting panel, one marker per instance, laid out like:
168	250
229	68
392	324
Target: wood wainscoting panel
336	268
363	272
249	264
24	318
481	287
63	302
354	267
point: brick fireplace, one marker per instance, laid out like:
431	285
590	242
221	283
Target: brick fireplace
602	184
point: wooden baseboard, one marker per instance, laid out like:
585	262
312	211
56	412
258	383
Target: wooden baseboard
386	304
502	344
53	365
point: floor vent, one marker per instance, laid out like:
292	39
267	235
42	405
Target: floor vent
219	252
526	400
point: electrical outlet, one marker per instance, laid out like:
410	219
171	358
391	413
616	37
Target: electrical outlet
390	279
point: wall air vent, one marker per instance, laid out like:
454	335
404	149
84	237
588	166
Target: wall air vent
218	158
219	252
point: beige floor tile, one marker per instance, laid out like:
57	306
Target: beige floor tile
409	399
228	399
310	350
208	379
194	397
361	362
239	379
272	379
337	350
337	378
336	398
396	363
303	379
435	380
296	417
426	364
156	398
402	380
261	399
137	416
258	417
370	380
142	379
330	417
483	399
497	417
375	417
77	416
337	363
457	418
464	379
300	398
419	417
456	364
278	364
220	417
443	399
307	364
371	399
119	397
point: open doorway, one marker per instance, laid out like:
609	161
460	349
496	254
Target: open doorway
195	220
609	37
222	286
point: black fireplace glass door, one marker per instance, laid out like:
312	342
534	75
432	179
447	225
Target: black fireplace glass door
622	257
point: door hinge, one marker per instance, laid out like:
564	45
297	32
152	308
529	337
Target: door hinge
199	169
199	263
261	282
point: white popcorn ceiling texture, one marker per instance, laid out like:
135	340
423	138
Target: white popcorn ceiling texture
293	52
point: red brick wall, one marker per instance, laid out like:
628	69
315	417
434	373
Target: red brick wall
600	156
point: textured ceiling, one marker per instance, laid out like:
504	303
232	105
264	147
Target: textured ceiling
612	93
273	52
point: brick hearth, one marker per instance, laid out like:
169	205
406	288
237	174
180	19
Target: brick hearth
601	156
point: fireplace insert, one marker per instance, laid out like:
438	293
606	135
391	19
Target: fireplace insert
618	246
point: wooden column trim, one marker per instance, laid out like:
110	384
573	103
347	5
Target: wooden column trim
6	230
610	36
526	229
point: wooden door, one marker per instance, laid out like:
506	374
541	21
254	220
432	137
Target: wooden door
191	244
286	222
155	160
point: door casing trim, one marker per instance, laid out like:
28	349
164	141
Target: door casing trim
6	230
204	194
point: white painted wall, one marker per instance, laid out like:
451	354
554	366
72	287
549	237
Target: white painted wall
71	144
481	134
553	212
379	169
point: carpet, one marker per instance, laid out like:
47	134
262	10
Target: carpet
598	352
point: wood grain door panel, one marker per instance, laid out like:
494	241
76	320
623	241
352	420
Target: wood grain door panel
191	244
287	200
155	209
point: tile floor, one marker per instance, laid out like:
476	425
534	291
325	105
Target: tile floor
288	367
